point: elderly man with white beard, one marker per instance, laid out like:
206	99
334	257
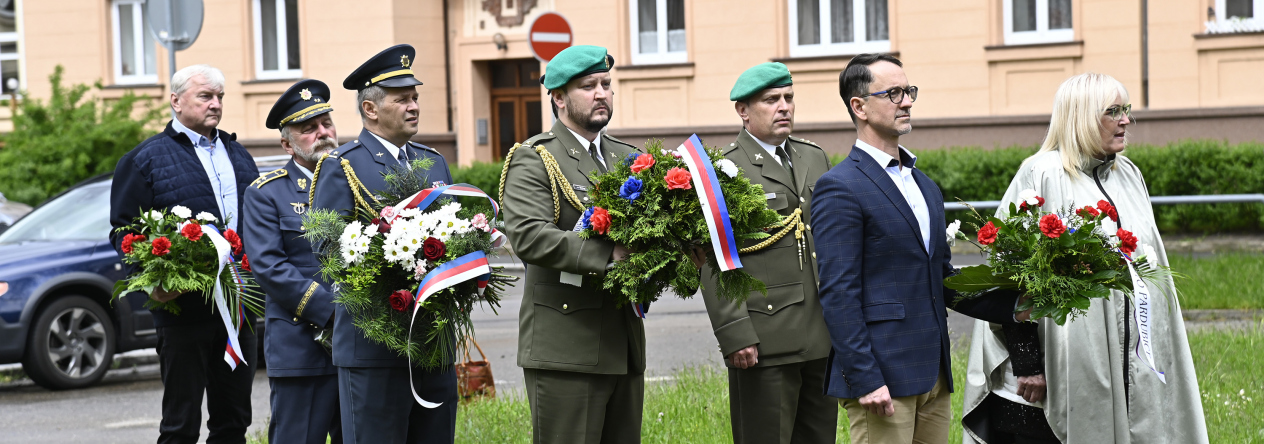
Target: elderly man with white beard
299	306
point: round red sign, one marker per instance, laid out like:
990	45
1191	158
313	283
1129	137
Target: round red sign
549	34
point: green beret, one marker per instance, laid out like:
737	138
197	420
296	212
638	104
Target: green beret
576	61
759	78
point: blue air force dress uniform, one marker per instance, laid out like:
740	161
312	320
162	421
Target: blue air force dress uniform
377	406
301	373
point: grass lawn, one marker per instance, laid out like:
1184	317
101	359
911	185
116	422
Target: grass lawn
1233	280
694	409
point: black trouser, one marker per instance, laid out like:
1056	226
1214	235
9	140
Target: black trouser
377	405
192	362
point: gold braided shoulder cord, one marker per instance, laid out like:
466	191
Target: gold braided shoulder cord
793	222
311	192
556	180
357	187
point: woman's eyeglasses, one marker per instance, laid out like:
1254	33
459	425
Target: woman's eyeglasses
896	94
1118	112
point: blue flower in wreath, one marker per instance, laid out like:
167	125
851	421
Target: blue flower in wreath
631	188
585	221
630	158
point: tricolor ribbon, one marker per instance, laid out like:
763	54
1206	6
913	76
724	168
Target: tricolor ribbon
464	268
422	200
714	208
232	350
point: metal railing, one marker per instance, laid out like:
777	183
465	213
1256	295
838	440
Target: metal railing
1156	200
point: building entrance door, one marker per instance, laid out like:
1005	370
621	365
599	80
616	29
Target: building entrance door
516	102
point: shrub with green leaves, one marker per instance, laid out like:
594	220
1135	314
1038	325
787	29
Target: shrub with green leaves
68	138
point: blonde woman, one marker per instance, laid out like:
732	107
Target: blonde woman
1087	381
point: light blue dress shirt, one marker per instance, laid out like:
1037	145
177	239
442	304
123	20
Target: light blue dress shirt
219	169
903	178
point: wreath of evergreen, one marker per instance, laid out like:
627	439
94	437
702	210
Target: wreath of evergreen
365	288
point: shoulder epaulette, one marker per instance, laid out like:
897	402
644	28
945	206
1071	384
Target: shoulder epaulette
268	177
804	141
418	145
613	139
539	138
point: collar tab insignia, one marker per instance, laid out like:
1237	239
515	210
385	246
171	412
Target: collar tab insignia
302	184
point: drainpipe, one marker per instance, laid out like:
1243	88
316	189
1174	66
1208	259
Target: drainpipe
1145	54
447	66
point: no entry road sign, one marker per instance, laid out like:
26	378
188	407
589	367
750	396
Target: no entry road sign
549	34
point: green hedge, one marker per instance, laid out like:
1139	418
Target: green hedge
1180	168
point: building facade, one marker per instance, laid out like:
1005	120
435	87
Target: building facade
987	69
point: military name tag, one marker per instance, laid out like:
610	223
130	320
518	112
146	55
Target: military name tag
770	195
579	188
299	208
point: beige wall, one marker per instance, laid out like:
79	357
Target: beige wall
974	88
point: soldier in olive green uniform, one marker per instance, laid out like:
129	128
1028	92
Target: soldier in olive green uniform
775	346
583	357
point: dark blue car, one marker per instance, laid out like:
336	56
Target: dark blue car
57	271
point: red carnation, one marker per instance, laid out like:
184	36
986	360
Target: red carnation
1088	212
191	232
129	239
1127	242
678	178
1109	209
162	246
433	249
1040	202
234	240
600	220
383	226
245	263
987	233
400	299
1052	226
642	162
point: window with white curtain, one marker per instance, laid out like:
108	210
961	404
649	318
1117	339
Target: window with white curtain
658	31
1233	16
836	27
1037	21
276	39
135	61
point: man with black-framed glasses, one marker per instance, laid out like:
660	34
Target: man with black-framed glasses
883	254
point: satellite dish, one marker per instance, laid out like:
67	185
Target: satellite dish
175	23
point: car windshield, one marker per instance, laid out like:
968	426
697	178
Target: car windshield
80	214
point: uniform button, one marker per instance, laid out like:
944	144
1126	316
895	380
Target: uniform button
809	227
801	200
813	255
295	319
770	306
564	306
550	133
585	198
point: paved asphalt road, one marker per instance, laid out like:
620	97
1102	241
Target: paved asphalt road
125	408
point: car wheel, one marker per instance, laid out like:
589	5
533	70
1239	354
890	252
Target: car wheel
71	344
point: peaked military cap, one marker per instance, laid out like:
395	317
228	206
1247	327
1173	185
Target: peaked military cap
304	100
576	61
391	68
759	78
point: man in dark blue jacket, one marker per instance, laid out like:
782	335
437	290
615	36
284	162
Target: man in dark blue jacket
373	381
882	247
193	164
301	371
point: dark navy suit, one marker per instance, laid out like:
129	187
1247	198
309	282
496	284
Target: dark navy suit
301	372
372	379
882	293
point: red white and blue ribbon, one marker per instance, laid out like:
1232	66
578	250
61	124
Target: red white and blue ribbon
471	266
639	309
232	350
422	200
714	208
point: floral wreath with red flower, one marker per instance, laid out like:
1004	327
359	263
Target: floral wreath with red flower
177	251
1060	259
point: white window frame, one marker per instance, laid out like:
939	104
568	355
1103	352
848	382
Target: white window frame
138	36
1042	34
1257	8
657	58
858	45
282	44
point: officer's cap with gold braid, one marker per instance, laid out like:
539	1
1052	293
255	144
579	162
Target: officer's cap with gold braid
759	78
576	61
305	100
392	68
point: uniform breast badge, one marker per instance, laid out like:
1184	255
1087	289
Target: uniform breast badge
299	207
